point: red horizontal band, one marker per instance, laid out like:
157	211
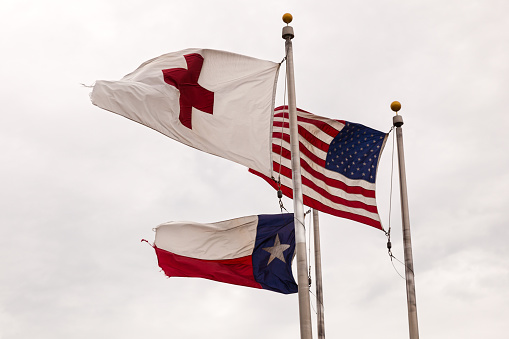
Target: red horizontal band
237	271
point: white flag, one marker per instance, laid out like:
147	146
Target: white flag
215	101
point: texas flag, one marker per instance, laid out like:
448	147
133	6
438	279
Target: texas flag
215	101
254	251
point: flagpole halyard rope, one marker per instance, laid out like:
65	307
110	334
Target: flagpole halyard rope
309	247
311	303
392	175
388	232
278	181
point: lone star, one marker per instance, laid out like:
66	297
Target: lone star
277	250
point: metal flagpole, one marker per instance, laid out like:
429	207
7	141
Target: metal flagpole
318	276
407	241
298	205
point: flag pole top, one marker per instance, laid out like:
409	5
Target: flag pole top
395	106
287	18
397	120
287	30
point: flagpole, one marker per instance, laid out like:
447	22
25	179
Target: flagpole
407	241
298	205
318	276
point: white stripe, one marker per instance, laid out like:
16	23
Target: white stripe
333	123
312	148
228	239
311	128
316	131
307	191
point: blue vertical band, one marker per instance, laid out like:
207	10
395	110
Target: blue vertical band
277	275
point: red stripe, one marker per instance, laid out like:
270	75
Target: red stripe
325	127
311	138
285	107
285	171
319	206
281	135
237	271
318	175
287	154
283	124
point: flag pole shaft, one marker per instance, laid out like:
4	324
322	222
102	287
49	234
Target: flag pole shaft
300	234
318	276
407	241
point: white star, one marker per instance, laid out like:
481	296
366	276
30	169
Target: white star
277	250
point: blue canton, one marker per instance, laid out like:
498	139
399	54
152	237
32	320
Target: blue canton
355	151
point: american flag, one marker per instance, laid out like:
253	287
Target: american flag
339	161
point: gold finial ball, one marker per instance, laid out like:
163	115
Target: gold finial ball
287	18
395	106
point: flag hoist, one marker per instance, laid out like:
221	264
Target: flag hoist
298	205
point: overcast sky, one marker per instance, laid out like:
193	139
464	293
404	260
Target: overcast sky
80	187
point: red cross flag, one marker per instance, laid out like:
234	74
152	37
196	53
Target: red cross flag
215	101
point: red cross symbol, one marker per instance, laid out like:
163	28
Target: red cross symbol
191	93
